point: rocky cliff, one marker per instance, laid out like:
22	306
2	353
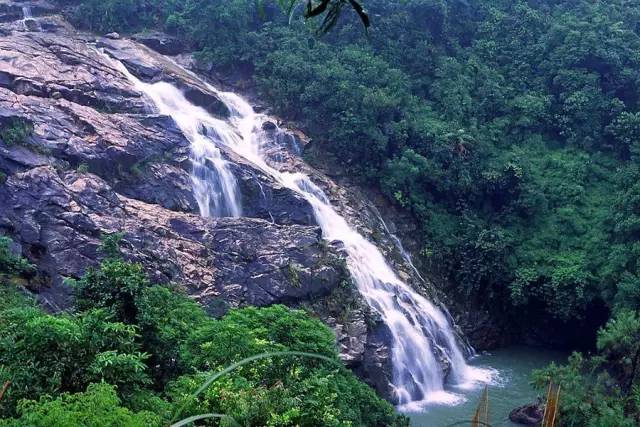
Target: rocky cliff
96	158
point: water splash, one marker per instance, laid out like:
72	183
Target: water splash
423	339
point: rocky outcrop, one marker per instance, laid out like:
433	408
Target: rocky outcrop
98	159
363	339
54	65
529	415
58	218
161	42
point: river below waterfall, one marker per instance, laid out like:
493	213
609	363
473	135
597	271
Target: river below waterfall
510	390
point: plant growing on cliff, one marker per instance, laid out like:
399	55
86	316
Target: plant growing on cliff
15	131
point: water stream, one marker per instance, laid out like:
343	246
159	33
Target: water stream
421	333
214	186
29	23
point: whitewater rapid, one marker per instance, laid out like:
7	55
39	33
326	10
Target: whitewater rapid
421	333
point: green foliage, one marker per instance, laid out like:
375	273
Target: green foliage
276	391
601	390
15	131
82	168
619	342
99	406
115	286
44	354
135	352
110	246
11	264
587	395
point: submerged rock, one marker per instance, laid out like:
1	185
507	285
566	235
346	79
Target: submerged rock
269	125
31	24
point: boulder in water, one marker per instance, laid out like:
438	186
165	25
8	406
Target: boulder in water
112	36
31	24
269	126
530	414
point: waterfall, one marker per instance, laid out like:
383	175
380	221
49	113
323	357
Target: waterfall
421	333
29	23
214	185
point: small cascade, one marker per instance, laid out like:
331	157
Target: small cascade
30	24
423	339
214	185
398	244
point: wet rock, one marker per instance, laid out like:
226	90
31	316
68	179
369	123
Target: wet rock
263	197
151	67
480	328
113	36
161	42
376	367
528	415
142	156
364	341
31	24
136	60
269	126
61	63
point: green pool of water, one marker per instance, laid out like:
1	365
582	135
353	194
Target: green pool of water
510	389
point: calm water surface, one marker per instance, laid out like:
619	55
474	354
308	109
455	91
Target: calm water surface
510	389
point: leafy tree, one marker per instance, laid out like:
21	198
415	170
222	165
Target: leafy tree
619	341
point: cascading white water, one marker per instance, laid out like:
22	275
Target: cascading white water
29	23
420	331
214	186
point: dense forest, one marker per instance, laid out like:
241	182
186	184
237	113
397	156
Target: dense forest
508	130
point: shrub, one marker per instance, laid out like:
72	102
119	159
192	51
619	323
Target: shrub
98	406
15	131
11	264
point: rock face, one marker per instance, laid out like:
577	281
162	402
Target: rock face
58	217
161	42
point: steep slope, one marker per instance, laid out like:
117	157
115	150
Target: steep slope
100	159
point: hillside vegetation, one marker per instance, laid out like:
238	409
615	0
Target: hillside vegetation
134	354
